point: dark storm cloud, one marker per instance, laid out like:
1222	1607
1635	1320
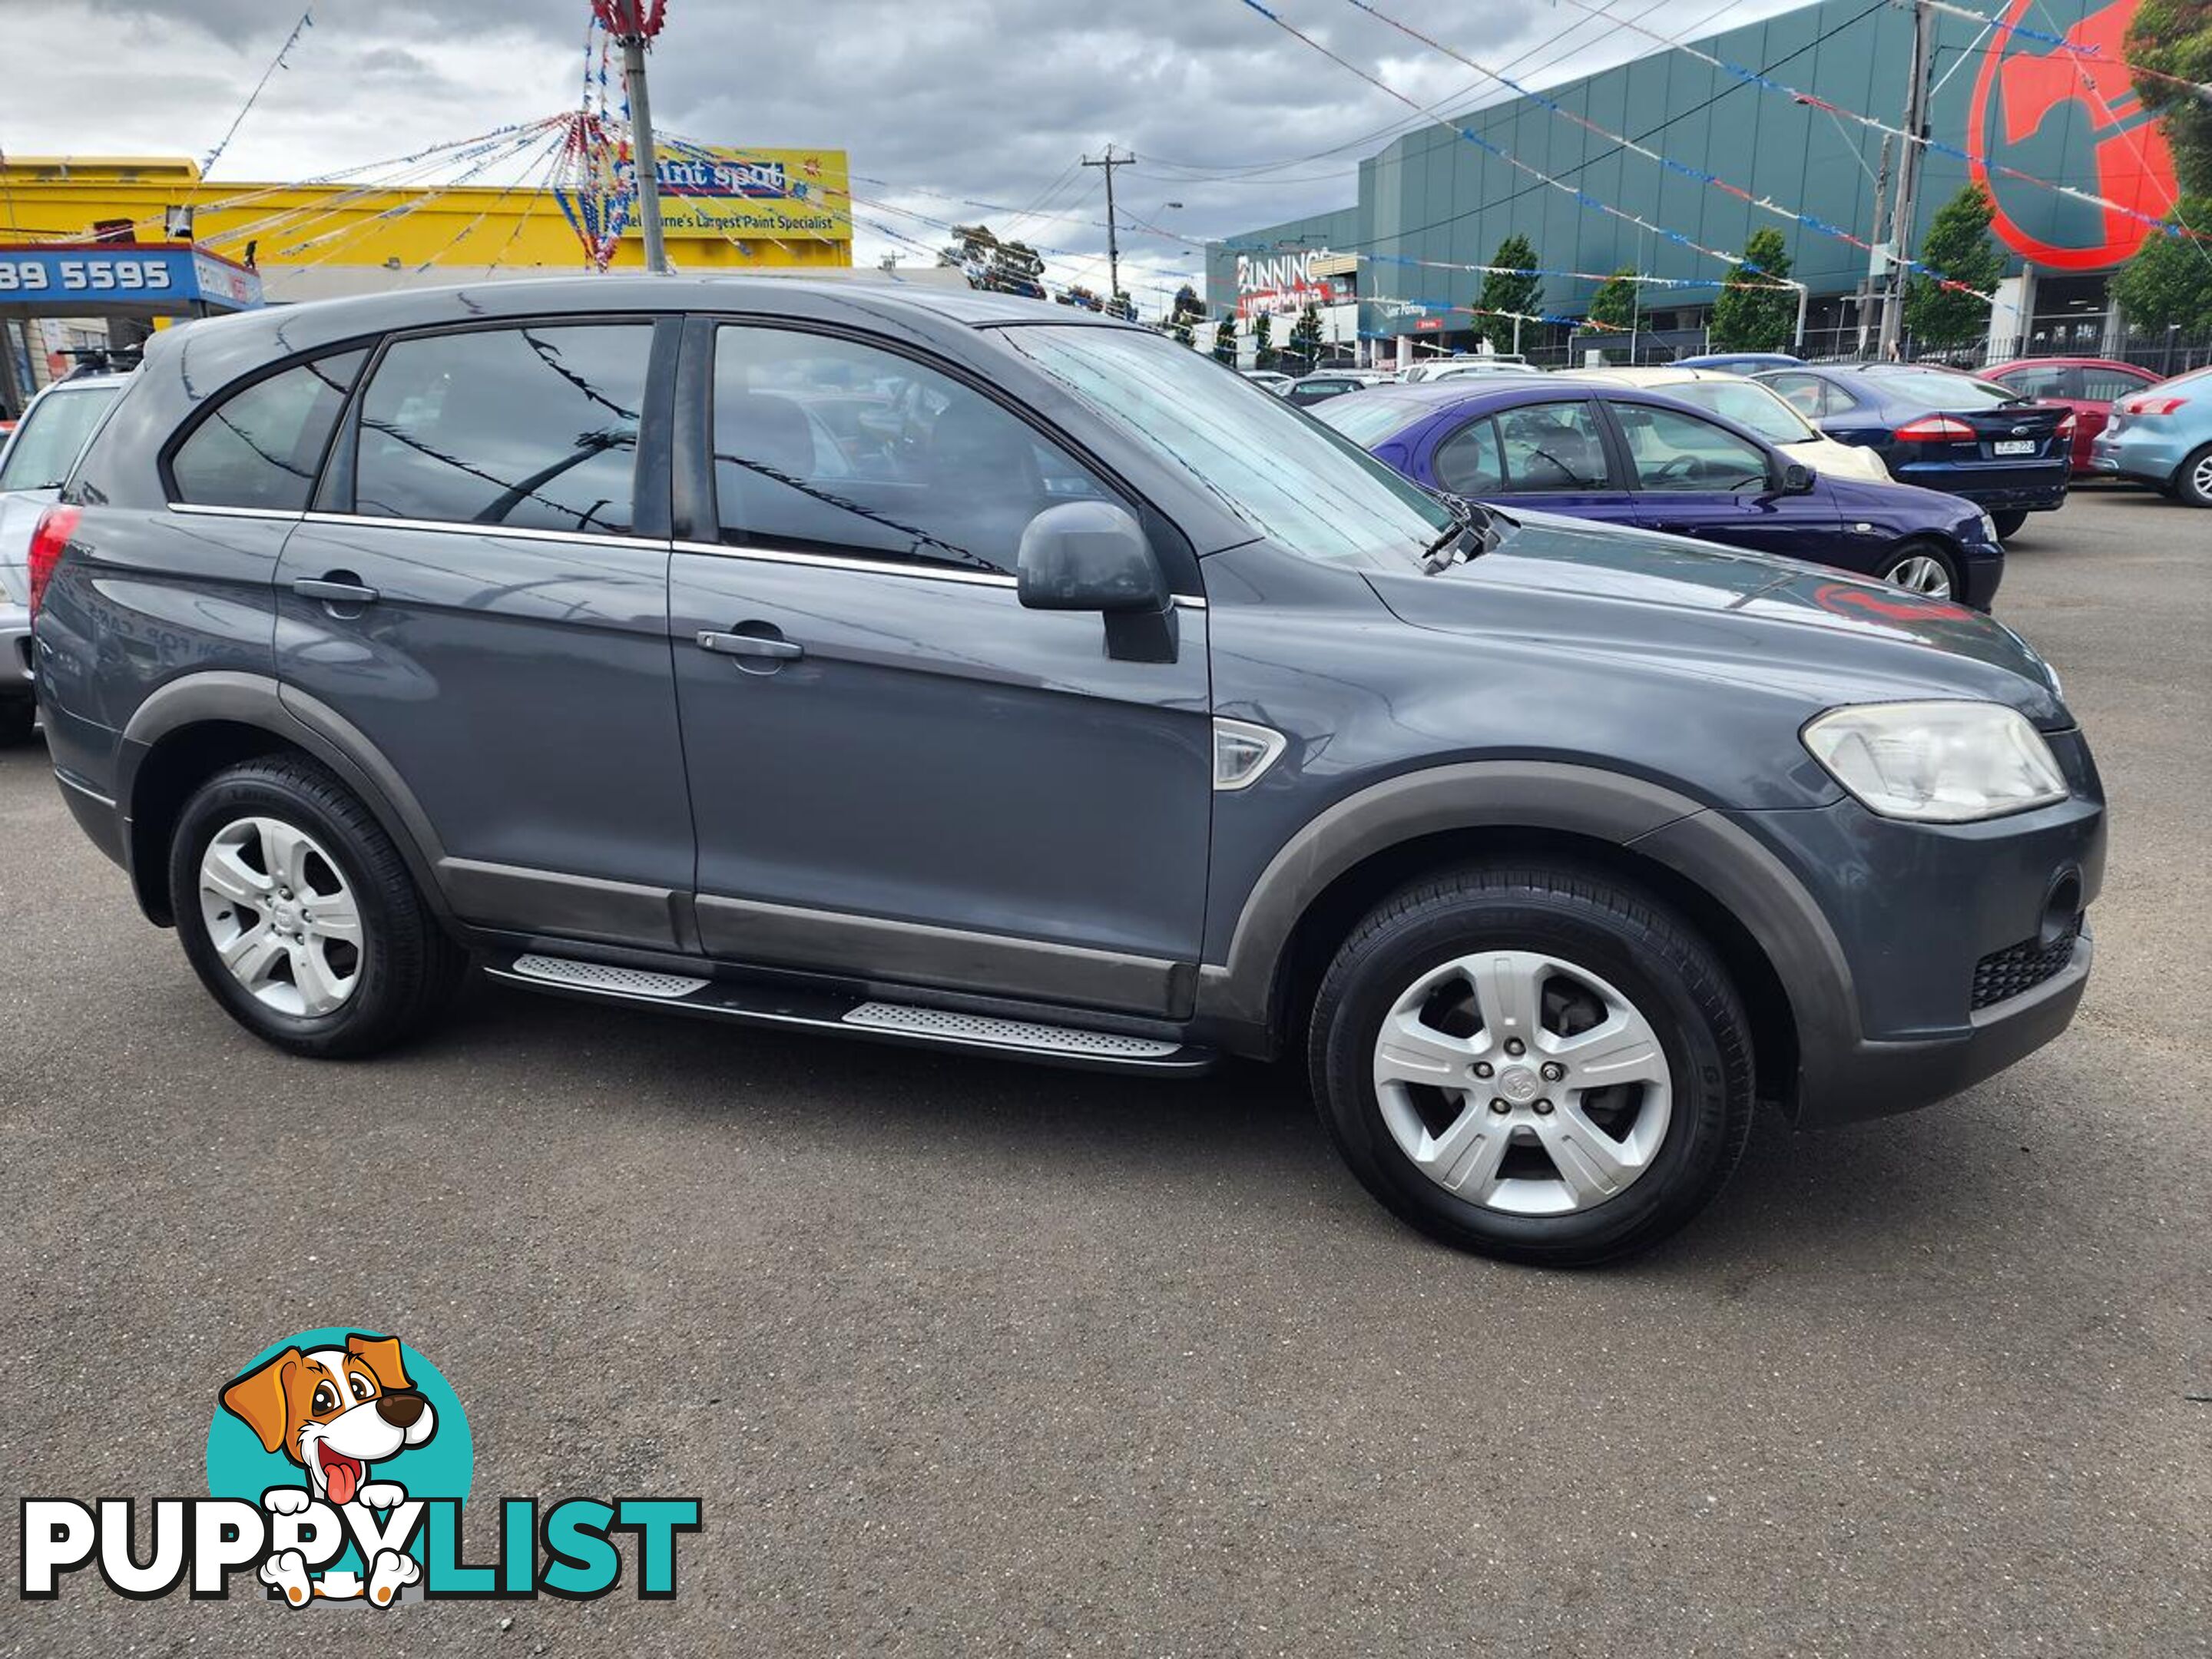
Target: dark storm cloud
989	101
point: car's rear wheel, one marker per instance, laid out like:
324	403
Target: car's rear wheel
299	914
1535	1063
2192	480
19	717
2009	524
1925	568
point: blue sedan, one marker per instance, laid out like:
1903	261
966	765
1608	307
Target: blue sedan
2162	437
1936	428
1625	456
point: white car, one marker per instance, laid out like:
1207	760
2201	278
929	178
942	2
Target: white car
37	458
1757	409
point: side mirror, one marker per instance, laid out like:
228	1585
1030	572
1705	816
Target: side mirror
1089	556
1796	479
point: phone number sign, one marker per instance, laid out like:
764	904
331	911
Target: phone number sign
62	280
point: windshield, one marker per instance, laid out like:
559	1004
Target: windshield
52	436
1751	407
1283	473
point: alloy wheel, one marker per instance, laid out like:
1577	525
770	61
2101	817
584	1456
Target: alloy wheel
1922	574
281	917
1524	1083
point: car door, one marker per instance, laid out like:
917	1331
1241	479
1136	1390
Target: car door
2097	387
1550	455
898	772
1697	477
482	593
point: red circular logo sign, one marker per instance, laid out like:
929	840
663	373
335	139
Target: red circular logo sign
2025	83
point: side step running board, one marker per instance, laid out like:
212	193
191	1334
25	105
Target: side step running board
763	1003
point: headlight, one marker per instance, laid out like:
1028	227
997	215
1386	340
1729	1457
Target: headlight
1988	529
1937	762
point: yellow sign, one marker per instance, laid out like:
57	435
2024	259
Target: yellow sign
774	194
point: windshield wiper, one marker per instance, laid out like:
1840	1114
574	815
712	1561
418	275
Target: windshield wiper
1475	530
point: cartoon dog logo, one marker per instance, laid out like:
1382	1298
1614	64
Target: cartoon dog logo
334	1412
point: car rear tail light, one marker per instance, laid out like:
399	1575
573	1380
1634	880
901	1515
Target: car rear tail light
1935	430
56	526
2066	427
2152	406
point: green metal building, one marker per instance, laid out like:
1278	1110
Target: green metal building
2015	103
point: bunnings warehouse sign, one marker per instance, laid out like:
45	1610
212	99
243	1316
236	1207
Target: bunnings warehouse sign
89	278
766	193
1276	284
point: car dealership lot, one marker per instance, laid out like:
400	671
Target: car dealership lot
1059	1363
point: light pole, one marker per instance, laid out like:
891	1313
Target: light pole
632	23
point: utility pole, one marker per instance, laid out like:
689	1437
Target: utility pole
1110	161
1908	178
632	23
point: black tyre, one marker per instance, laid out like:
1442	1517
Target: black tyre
300	915
1567	1077
2192	480
18	718
2009	524
1923	567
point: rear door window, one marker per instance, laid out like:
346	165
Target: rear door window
531	428
261	446
1468	463
1550	446
2104	385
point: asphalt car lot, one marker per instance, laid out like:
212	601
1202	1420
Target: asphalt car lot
959	1353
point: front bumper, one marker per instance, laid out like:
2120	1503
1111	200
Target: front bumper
1929	923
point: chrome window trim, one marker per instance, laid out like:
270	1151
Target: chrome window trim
880	566
455	527
211	510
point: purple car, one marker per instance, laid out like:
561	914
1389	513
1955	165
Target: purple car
1624	456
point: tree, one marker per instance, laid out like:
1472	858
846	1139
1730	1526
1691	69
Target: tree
2174	37
1502	293
1959	245
1263	342
1305	338
1179	327
1752	313
2168	284
1225	342
1616	302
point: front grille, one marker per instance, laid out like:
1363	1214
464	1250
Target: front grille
2022	967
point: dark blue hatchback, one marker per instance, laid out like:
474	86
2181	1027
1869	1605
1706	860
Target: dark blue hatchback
1943	430
1625	456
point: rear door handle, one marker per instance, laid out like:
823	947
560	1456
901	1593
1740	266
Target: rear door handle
750	645
331	592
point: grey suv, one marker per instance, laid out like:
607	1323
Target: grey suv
946	669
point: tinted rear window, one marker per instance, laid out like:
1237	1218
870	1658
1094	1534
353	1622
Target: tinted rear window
1937	390
260	447
534	428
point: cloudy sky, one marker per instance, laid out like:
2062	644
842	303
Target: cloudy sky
990	100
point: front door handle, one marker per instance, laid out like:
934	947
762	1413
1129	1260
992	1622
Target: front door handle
750	645
331	591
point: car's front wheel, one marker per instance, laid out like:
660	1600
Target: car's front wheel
299	914
1925	568
1535	1063
2192	480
